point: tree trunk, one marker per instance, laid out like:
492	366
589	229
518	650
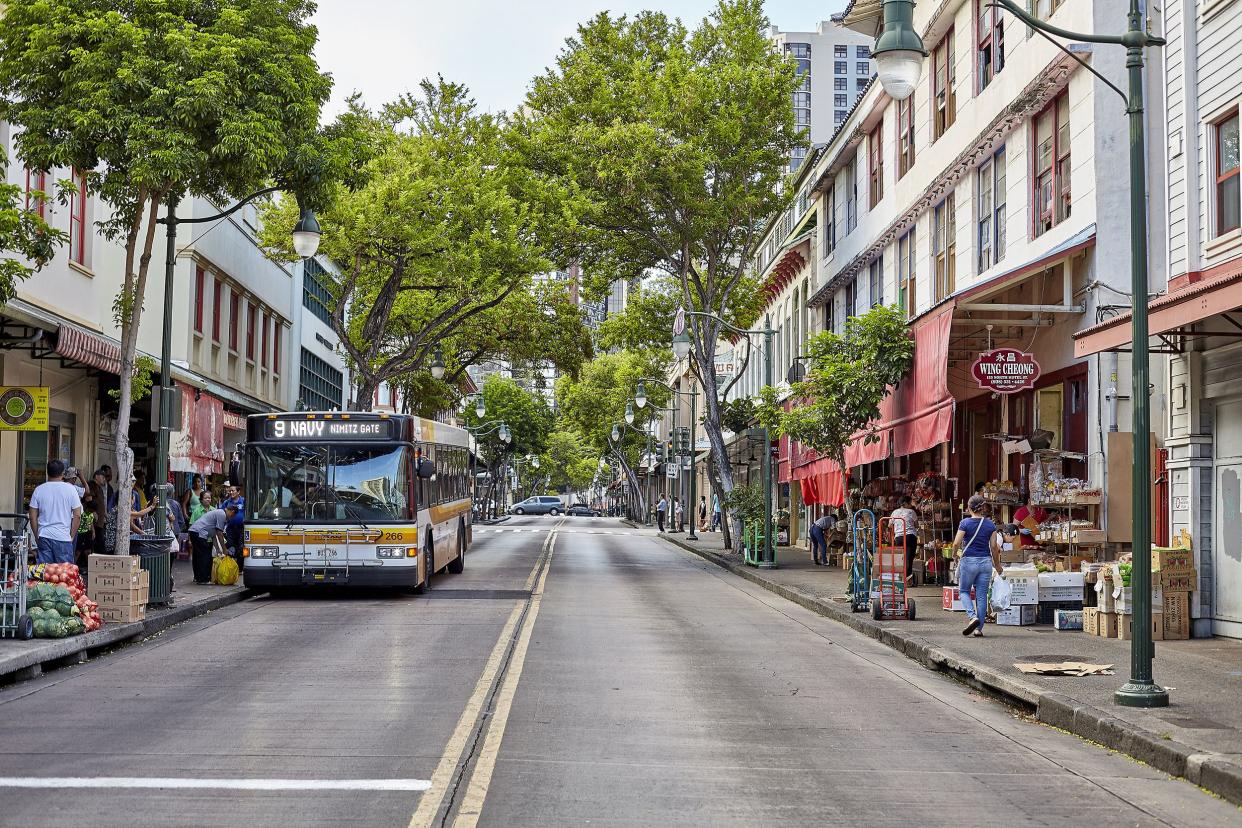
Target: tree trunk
635	488
129	352
364	399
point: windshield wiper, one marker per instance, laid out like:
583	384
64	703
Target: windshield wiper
351	511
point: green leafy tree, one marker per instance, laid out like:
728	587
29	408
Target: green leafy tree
528	416
438	236
848	376
595	401
27	243
156	100
674	143
567	462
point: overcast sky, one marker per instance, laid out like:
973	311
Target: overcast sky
382	48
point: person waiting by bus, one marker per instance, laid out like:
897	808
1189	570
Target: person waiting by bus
236	528
191	499
203	534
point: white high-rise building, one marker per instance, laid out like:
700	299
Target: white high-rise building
835	64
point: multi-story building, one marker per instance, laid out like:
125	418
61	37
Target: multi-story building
1196	322
323	379
835	65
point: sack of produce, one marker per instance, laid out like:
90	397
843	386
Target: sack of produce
50	625
224	571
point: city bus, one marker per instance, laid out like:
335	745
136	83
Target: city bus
354	498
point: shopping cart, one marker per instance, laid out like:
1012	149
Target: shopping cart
864	550
14	549
890	599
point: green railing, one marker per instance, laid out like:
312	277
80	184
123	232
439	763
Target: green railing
752	543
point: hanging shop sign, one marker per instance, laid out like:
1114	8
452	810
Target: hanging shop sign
23	408
1005	370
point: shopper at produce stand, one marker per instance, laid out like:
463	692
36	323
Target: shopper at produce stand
819	538
906	522
203	534
977	540
55	512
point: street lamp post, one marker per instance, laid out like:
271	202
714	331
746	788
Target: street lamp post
306	234
894	52
640	399
614	443
681	349
484	430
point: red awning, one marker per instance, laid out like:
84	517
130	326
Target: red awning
88	348
822	482
922	405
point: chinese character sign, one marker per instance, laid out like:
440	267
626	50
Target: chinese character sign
1006	370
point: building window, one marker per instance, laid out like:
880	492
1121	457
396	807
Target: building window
990	35
1228	197
804	84
77	220
802	100
277	330
875	281
796	157
802	117
906	279
862	51
200	290
861	83
838	67
1052	165
799	50
875	163
1045	8
905	136
944	105
850	299
840	100
317	291
991	189
864	68
251	319
217	309
829	235
851	195
321	384
840	51
263	352
234	317
838	116
830	307
36	182
944	248
841	84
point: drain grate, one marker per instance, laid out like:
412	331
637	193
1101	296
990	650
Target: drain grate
480	594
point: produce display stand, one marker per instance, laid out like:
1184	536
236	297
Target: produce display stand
15	622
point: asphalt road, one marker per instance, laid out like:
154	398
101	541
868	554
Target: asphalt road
595	675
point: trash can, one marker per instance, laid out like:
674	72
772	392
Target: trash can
155	556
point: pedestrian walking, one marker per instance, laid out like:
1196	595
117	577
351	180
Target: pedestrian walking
976	538
906	526
702	513
203	534
55	512
819	538
715	512
661	511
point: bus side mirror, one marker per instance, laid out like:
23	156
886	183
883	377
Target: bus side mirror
426	468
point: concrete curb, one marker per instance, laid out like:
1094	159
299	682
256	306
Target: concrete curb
75	649
1208	770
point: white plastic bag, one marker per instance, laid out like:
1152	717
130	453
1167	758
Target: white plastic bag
1002	593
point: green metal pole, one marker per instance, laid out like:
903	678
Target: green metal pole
165	409
694	472
1140	690
768	559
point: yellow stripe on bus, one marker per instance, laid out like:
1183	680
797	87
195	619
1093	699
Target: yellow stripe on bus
316	534
448	511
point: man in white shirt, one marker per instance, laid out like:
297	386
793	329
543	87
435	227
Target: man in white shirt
55	512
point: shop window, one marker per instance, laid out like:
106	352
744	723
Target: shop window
200	289
36	182
252	319
1228	202
905	136
1050	411
990	37
990	187
944	248
77	220
875	281
217	309
234	317
875	163
906	279
1052	165
944	104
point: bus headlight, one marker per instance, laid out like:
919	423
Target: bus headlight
390	552
265	551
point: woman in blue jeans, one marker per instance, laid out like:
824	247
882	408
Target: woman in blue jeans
976	538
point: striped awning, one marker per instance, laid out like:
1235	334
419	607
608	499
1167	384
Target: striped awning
88	348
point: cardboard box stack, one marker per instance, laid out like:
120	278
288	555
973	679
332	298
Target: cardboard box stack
120	586
1173	568
1173	580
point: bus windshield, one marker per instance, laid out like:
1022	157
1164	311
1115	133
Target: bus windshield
331	484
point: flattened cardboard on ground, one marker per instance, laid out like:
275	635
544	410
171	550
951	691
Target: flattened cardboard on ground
1065	668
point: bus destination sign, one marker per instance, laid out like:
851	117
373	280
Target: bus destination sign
327	429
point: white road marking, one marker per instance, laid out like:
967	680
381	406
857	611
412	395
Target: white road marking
481	778
215	784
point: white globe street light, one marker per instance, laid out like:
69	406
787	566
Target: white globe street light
898	51
306	234
640	394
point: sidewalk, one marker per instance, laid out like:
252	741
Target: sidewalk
1199	736
27	659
